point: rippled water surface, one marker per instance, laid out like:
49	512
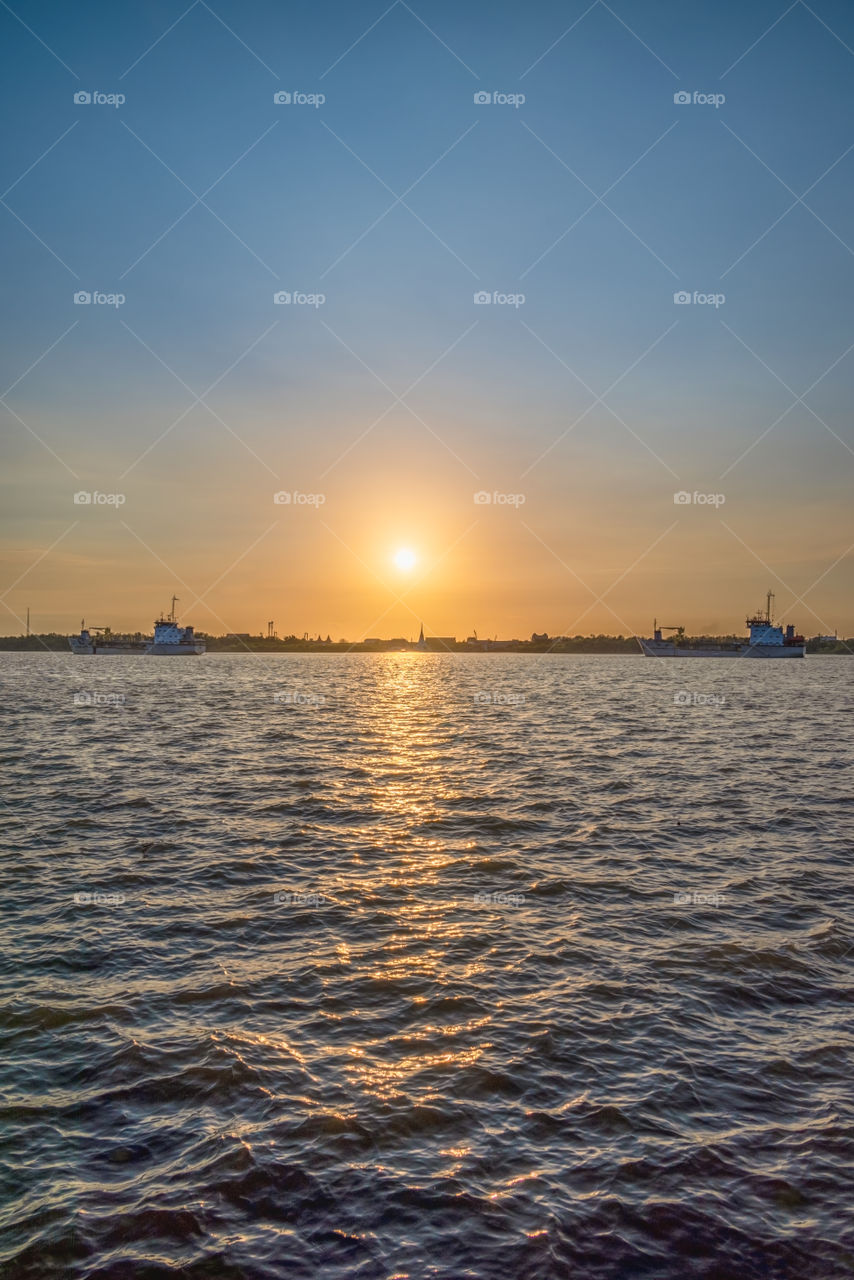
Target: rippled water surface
426	966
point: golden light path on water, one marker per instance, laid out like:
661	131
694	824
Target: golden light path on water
399	968
409	788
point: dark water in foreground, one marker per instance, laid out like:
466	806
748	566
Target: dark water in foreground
475	1036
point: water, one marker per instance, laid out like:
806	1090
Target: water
476	1035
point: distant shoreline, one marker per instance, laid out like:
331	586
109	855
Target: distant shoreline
56	643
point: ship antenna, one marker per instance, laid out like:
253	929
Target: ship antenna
172	614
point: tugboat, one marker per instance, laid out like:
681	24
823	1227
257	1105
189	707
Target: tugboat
766	641
171	639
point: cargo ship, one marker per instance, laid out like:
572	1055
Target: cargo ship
765	640
169	639
101	640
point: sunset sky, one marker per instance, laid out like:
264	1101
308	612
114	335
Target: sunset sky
581	404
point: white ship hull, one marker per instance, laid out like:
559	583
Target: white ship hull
197	647
654	649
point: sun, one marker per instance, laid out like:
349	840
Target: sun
405	559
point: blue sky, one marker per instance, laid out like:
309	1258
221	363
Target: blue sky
500	198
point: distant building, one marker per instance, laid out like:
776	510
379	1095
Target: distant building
535	639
